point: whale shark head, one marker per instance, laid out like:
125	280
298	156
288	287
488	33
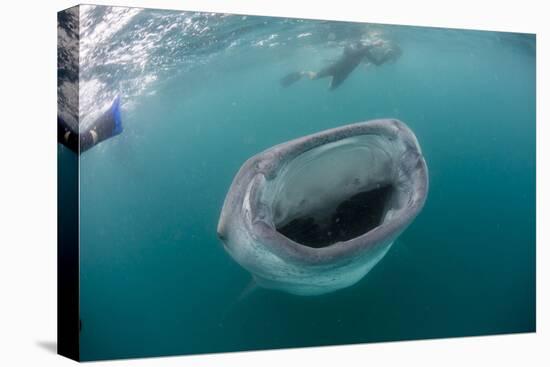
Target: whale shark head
315	214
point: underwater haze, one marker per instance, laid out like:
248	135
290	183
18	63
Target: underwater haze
201	94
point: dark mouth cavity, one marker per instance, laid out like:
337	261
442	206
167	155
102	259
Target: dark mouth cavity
350	218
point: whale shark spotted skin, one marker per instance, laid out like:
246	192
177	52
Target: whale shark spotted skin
316	214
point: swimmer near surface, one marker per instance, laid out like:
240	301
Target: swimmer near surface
375	51
316	214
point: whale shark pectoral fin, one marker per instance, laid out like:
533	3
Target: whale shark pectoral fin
247	291
291	78
250	287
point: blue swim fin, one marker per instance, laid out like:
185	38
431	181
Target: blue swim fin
115	112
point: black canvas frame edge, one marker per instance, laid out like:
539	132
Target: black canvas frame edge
68	221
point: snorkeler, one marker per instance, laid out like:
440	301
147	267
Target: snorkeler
375	52
106	126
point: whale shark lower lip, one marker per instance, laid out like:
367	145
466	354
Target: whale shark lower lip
316	214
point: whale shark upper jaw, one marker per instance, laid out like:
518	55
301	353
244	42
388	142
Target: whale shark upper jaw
315	214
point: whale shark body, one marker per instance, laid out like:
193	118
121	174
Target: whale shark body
316	214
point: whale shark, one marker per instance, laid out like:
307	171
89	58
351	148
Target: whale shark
315	214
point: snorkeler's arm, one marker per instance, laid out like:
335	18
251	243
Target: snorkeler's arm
389	53
376	61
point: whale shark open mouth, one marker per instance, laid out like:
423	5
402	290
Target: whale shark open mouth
315	214
351	218
337	191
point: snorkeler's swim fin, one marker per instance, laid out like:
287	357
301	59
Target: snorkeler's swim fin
291	78
115	112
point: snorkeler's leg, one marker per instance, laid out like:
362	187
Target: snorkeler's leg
311	74
323	73
293	77
66	136
106	126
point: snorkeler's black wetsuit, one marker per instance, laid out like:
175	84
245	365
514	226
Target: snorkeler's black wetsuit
106	126
340	70
352	56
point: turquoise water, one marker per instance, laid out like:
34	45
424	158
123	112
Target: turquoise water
201	94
